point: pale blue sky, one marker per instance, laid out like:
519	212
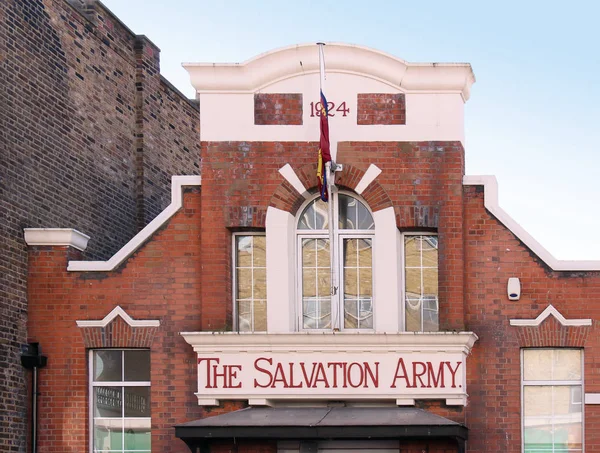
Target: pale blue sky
534	113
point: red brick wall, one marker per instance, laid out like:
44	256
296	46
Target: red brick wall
278	108
90	135
159	282
381	108
492	255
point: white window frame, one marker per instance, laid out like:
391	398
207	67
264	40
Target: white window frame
234	237
337	300
403	278
92	384
552	383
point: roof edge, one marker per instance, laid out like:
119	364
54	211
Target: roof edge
286	62
490	201
177	183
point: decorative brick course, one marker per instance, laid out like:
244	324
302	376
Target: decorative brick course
278	109
381	108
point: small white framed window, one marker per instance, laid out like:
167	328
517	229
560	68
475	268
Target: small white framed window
350	307
421	296
551	395
120	400
250	282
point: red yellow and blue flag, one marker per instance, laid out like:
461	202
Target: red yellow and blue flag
324	151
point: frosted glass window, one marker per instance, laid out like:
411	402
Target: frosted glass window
552	400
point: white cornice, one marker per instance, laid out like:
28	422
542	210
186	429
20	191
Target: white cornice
280	64
331	341
177	182
56	237
550	311
490	200
118	311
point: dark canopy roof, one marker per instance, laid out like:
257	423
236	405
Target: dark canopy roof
321	423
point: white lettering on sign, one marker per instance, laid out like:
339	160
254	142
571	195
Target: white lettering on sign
314	375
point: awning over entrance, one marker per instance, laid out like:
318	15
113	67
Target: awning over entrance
303	423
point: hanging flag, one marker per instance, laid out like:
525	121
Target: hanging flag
324	152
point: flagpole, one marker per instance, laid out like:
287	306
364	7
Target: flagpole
335	309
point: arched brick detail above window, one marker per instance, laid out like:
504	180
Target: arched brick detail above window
287	198
118	330
552	334
552	330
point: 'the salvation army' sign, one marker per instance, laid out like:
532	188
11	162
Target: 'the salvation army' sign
259	368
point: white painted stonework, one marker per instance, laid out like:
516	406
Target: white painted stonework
177	184
435	94
118	311
267	368
56	237
550	311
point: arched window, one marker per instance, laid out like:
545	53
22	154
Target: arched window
350	306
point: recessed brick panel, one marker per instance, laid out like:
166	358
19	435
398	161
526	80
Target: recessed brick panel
278	109
381	108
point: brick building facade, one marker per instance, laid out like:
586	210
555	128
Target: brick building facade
91	134
214	329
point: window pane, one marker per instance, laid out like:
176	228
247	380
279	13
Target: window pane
137	401
259	251
567	364
430	314
244	251
260	284
412	285
316	313
137	435
413	314
309	282
358	313
108	366
347	213
412	254
137	365
365	278
108	435
244	311
351	284
353	214
552	418
365	253
244	283
108	401
430	281
552	364
314	216
260	315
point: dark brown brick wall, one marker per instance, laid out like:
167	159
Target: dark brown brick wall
381	108
76	151
278	108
